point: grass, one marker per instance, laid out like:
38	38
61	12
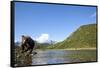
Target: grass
83	37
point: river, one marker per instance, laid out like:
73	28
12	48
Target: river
44	57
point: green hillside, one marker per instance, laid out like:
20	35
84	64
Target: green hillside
83	37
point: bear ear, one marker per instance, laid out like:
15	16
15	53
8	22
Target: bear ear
23	36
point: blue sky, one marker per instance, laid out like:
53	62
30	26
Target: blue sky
50	22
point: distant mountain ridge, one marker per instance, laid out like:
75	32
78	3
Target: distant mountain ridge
83	37
39	45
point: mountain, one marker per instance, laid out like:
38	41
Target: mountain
17	43
39	45
83	37
43	45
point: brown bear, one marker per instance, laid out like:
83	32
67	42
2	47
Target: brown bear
27	44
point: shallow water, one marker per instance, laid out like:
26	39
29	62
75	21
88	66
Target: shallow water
55	57
58	56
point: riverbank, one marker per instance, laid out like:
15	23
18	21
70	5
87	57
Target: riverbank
70	49
69	55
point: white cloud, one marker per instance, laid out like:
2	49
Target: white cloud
43	38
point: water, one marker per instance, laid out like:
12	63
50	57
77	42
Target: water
61	56
56	56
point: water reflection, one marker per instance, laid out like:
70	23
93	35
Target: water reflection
51	57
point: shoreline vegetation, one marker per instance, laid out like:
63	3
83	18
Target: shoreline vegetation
70	49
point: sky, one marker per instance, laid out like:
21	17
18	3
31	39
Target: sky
45	22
